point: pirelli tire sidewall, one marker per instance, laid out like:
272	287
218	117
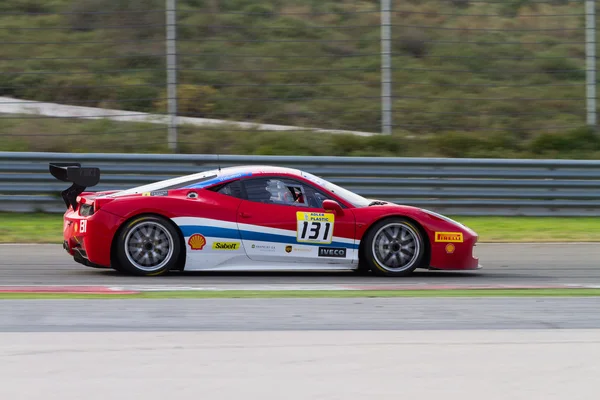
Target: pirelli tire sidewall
370	259
126	266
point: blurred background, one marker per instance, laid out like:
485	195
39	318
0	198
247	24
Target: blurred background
430	78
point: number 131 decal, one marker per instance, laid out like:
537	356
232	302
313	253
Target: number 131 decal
314	227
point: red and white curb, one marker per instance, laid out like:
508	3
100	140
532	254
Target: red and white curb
69	289
134	289
317	287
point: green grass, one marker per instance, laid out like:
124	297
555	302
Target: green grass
534	229
31	228
55	134
47	228
472	113
242	294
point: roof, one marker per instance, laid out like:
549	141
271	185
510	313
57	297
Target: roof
252	169
215	175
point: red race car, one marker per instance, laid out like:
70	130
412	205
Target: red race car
253	218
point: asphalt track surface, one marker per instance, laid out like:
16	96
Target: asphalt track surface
450	365
530	264
319	314
503	264
326	349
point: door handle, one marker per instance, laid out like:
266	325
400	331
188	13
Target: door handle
245	215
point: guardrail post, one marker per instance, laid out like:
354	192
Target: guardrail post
171	38
386	68
590	52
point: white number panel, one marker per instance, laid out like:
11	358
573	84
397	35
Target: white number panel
314	227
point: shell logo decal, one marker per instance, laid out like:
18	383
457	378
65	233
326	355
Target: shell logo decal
450	248
197	241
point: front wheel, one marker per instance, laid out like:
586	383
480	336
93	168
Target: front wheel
149	246
394	247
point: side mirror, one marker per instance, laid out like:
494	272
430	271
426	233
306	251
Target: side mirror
331	205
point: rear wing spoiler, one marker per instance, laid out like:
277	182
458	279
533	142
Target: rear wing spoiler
81	178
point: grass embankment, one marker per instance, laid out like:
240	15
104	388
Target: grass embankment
74	136
471	79
241	294
47	228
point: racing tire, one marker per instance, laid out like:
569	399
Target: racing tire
148	246
394	247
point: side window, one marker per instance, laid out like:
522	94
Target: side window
315	198
233	189
283	192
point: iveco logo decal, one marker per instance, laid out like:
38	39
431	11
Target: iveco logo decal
332	252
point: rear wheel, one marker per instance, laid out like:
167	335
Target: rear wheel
394	247
149	246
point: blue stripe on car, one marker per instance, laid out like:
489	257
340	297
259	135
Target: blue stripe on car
228	233
219	179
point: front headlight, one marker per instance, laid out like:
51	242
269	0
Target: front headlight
443	217
450	220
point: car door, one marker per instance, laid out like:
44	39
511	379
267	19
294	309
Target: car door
282	220
209	228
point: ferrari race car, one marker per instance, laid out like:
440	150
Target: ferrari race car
253	218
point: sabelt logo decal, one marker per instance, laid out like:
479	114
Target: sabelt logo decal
449	237
197	241
332	252
226	245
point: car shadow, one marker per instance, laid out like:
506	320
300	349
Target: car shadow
222	277
342	275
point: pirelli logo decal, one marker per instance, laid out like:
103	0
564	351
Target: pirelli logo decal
449	237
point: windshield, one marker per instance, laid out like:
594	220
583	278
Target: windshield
352	198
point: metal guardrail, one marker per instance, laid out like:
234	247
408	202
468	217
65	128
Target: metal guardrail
452	186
